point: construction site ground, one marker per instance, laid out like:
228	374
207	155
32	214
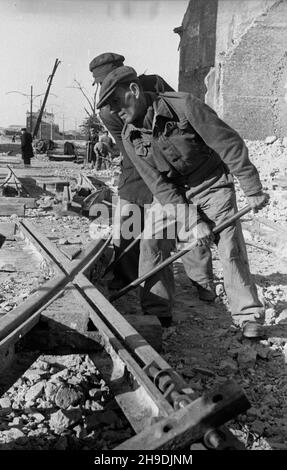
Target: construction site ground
202	344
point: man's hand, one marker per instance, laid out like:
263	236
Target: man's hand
258	201
203	234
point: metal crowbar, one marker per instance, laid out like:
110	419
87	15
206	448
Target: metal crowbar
177	255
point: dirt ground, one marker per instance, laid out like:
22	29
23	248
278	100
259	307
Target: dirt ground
202	344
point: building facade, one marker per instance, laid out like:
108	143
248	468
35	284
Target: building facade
233	54
48	129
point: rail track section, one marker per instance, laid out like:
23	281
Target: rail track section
156	400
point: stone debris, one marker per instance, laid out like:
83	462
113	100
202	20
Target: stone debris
38	417
247	357
219	289
63	241
282	317
228	365
270	316
270	139
35	375
64	419
12	434
34	392
68	396
5	403
262	351
70	409
60	375
51	391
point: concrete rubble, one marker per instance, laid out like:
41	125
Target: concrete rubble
71	408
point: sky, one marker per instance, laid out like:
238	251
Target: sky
34	33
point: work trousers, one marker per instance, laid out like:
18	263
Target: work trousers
99	163
157	293
102	162
26	159
215	206
127	268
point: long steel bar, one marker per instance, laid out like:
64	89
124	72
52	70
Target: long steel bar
177	255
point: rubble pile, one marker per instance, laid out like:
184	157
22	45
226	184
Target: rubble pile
271	161
61	403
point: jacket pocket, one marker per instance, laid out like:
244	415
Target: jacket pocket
141	143
142	148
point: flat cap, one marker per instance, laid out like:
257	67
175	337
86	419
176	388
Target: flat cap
119	75
103	64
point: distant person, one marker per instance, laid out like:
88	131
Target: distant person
107	140
14	138
102	156
93	139
26	147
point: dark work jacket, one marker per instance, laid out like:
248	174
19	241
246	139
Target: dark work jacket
131	185
26	145
188	147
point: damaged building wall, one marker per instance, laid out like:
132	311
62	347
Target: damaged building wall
197	45
253	74
233	21
246	82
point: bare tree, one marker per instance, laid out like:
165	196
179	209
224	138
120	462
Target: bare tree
91	101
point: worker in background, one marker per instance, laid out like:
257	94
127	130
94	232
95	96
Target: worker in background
93	139
133	190
187	155
102	156
26	147
104	137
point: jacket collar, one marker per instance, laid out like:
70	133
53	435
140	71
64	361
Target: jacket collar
156	108
162	109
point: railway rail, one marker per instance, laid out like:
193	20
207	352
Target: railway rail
156	400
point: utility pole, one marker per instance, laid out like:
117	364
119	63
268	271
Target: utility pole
41	123
51	124
50	79
63	126
31	110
